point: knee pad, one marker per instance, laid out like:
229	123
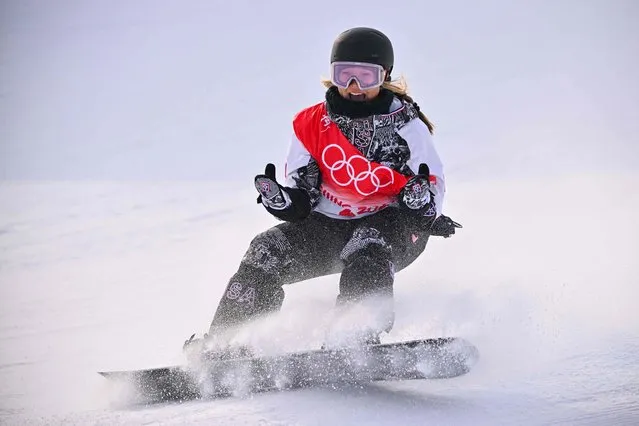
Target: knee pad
269	251
365	239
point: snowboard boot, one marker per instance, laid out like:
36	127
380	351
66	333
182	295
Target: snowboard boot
214	347
229	352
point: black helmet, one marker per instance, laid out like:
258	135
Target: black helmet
363	44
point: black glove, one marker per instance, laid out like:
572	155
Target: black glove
443	226
416	196
288	204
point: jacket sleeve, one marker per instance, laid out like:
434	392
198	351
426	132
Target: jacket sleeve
302	171
422	150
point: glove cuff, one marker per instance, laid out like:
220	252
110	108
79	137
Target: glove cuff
416	194
298	209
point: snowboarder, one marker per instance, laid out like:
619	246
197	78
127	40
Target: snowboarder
363	192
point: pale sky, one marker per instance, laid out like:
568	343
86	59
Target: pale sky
158	89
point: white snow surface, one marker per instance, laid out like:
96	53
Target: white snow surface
108	276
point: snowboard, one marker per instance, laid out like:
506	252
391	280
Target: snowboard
436	358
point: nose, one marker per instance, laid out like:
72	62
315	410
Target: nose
353	84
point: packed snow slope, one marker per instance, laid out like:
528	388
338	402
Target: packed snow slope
117	275
131	135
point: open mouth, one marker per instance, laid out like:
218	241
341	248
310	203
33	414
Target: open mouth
357	96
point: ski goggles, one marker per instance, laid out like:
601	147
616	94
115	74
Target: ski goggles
366	75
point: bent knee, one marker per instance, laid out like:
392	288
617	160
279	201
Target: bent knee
366	240
269	251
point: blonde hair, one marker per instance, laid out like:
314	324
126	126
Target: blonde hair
399	87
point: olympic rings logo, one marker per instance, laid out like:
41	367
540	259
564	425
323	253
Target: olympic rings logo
355	170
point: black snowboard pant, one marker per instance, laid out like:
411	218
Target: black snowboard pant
366	251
